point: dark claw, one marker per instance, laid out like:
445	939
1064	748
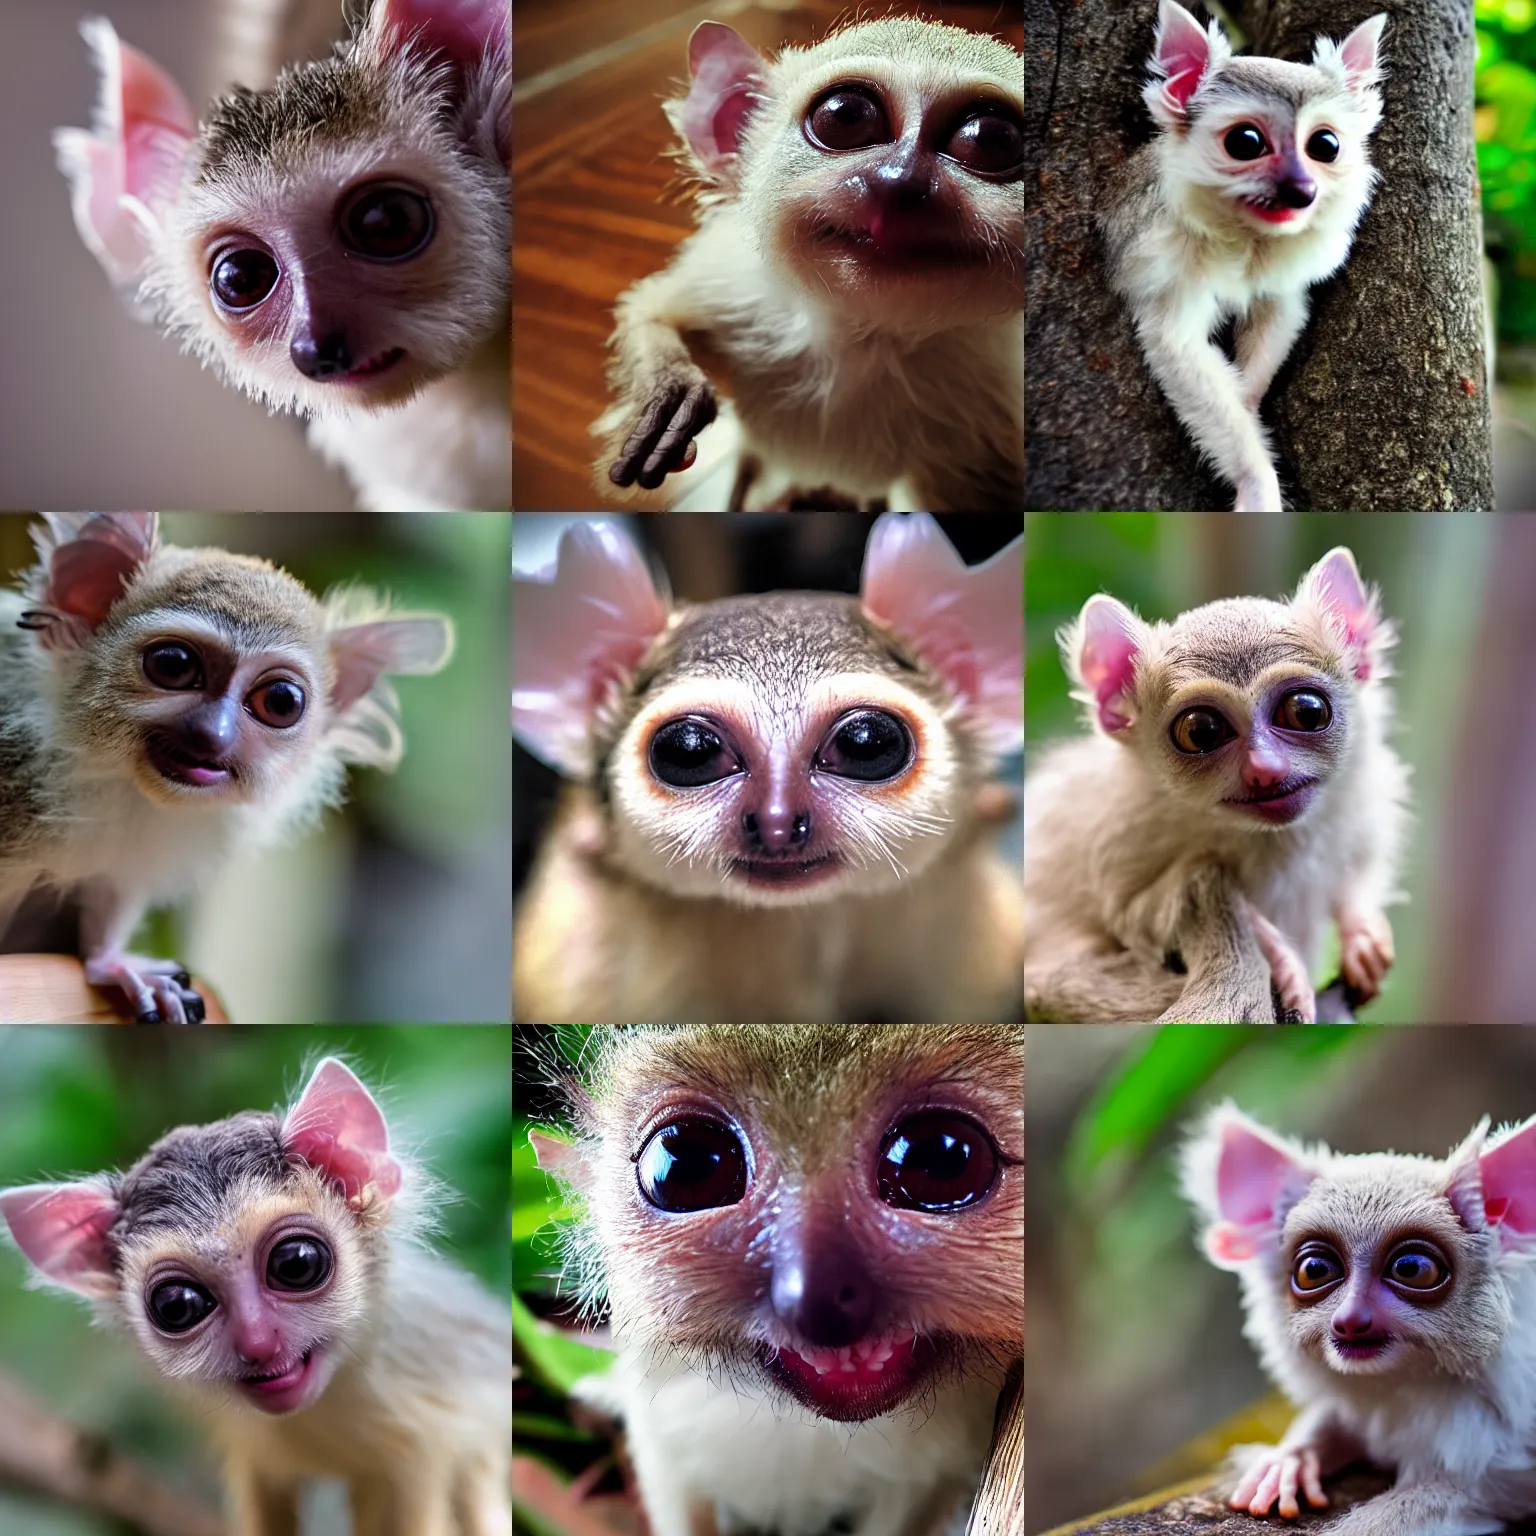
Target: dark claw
147	1018
183	979
672	418
197	1009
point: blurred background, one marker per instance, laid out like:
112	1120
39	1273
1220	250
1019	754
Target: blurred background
1135	1342
102	410
1457	588
80	1100
398	907
704	556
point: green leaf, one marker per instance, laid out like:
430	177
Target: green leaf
554	1360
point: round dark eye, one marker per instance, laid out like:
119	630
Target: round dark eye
849	117
386	223
173	665
688	753
1417	1269
936	1161
692	1165
242	279
279	703
298	1264
1315	1268
1303	710
870	745
1324	146
1245	142
1198	731
990	144
178	1305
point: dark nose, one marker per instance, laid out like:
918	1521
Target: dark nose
1296	192
775	830
827	1298
320	359
211	730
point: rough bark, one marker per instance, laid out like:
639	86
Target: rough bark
1383	405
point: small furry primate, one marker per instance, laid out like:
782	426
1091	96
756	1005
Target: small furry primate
1393	1299
811	1239
335	244
856	283
161	708
1236	794
781	805
273	1272
1247	196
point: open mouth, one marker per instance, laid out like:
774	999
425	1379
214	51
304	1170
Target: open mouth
898	252
281	1391
1279	803
858	1381
1270	211
1368	1348
372	367
782	873
175	762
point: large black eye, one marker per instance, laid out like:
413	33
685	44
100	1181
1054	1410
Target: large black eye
1245	142
279	703
849	117
1198	731
1417	1268
1324	146
386	223
242	279
687	753
989	143
692	1165
298	1264
1304	710
173	665
936	1161
869	745
1316	1267
177	1305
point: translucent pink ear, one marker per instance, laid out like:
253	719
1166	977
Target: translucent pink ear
402	647
338	1129
1508	1171
1181	55
967	622
62	1230
728	76
462	29
1360	53
1108	642
88	560
1336	581
575	633
128	168
1253	1173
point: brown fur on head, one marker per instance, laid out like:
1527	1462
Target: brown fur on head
778	671
815	1110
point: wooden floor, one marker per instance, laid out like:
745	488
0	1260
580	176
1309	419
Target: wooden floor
598	205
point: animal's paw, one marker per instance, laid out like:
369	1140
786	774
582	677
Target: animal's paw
662	441
1275	1476
160	991
1259	492
1287	969
1365	951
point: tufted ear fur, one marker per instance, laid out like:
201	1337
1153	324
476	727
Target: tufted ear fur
337	1127
1494	1186
728	75
1100	651
1351	610
1183	55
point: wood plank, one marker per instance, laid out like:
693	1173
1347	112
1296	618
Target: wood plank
52	989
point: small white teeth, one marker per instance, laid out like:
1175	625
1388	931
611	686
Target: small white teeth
870	1355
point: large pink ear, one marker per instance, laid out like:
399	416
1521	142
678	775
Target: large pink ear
402	647
1360	53
1496	1186
575	633
1181	55
1350	607
62	1229
87	560
462	29
127	169
729	75
967	622
338	1129
1257	1177
1104	645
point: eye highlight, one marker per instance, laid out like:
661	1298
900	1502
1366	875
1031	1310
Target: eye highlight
1324	146
692	1164
848	117
1200	730
1416	1267
869	745
178	1306
386	223
1317	1268
689	753
1304	710
1245	142
173	666
241	280
299	1264
936	1161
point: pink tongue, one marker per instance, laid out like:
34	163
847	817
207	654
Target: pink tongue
206	775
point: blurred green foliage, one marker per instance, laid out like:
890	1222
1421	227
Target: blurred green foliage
79	1100
1506	154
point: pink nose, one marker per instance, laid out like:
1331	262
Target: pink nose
1264	767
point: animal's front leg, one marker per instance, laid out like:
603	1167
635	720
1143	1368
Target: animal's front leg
1366	952
1265	337
160	991
1286	966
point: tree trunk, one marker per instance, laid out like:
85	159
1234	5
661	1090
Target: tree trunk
1383	405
